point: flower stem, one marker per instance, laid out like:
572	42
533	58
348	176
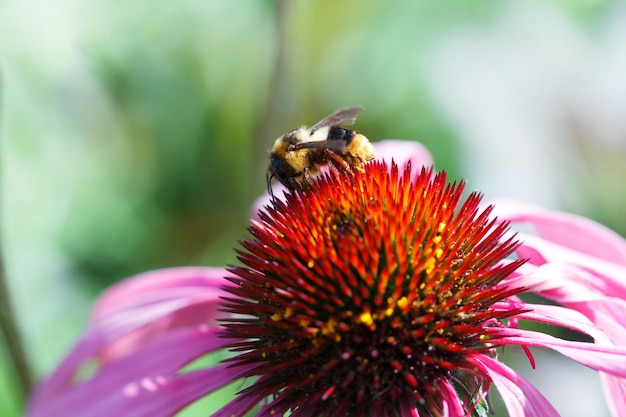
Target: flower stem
8	325
277	84
12	337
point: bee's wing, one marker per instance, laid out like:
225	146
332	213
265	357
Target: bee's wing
335	145
342	117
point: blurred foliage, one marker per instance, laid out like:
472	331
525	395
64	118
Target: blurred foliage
136	133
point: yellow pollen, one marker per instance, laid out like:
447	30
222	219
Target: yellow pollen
389	311
438	253
403	303
310	264
442	225
366	318
288	312
430	265
437	239
329	327
276	317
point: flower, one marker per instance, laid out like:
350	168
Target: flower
579	264
376	292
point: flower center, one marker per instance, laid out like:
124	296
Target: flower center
367	292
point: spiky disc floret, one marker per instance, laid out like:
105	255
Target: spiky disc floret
361	295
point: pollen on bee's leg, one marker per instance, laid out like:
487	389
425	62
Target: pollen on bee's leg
360	168
337	161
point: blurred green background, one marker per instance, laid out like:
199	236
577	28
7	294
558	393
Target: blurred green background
135	134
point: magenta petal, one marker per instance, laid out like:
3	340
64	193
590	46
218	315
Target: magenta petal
521	398
564	282
562	317
237	407
157	360
608	277
155	396
602	357
131	324
568	230
402	152
452	404
157	285
153	303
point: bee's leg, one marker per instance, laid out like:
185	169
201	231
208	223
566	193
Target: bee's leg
337	161
294	184
306	178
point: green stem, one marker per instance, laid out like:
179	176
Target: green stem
9	328
13	339
277	86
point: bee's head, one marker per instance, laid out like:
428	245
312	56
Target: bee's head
280	169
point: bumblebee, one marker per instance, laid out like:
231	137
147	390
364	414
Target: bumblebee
299	154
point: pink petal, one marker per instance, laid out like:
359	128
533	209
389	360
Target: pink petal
159	396
520	397
153	303
562	282
134	323
608	275
604	317
127	383
615	394
237	407
602	357
568	230
562	317
452	404
166	283
403	151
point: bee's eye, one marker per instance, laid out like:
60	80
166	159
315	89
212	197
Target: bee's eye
280	167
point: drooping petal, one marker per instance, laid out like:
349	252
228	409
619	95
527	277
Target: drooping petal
614	387
568	230
129	384
608	275
615	393
236	407
602	357
131	323
157	286
562	282
452	404
150	304
562	317
520	397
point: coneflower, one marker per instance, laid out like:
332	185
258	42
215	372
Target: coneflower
375	292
